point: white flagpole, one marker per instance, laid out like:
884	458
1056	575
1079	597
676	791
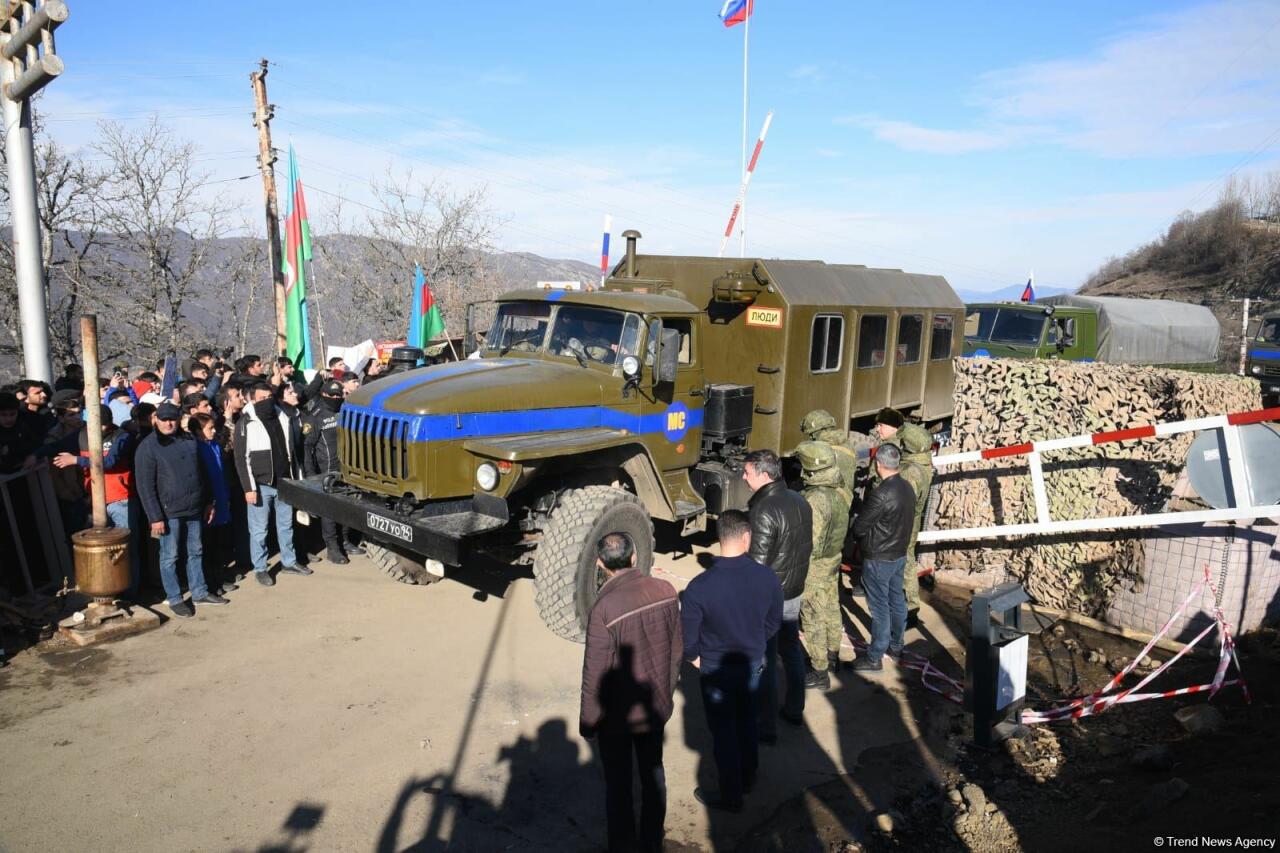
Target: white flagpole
742	222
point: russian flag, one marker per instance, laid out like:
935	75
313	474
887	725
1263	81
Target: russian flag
736	11
1028	293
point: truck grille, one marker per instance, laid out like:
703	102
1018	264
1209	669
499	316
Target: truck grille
375	445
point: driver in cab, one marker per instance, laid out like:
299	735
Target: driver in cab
598	338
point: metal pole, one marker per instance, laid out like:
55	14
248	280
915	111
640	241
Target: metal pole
28	265
742	222
1244	336
314	297
262	115
93	411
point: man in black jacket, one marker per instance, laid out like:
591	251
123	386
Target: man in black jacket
174	489
884	525
320	456
782	539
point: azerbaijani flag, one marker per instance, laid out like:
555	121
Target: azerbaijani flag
736	11
425	322
1029	292
297	251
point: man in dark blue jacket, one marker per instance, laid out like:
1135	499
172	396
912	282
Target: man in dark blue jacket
174	489
728	613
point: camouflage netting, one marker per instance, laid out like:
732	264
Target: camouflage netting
1007	401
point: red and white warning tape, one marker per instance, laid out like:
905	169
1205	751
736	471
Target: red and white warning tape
930	676
1101	700
1110	436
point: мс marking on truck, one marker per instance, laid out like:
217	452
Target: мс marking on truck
598	410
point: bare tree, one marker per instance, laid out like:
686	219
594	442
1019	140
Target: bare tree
163	224
427	222
67	190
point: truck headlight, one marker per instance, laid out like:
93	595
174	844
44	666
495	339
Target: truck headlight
1256	369
487	476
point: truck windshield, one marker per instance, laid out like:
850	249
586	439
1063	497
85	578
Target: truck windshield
1017	327
519	327
978	322
1270	331
599	331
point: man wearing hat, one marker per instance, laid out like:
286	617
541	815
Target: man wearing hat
320	456
820	610
916	445
174	489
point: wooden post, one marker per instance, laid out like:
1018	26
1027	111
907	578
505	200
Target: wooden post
262	115
93	413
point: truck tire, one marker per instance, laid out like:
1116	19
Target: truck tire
564	568
400	567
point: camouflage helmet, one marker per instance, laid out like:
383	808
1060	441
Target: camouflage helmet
815	456
818	419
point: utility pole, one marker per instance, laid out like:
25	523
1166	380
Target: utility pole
262	115
1244	336
29	64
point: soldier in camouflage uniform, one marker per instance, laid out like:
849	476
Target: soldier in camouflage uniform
820	425
917	469
820	609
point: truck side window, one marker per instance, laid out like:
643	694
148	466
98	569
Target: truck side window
940	343
826	346
873	335
685	327
910	332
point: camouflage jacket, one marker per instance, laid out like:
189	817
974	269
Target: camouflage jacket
829	501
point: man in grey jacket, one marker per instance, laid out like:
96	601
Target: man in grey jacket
268	450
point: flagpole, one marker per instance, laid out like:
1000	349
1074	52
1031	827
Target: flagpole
324	352
746	34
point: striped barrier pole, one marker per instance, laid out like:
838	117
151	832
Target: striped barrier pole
746	181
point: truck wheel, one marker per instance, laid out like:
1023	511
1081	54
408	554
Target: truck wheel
565	579
400	567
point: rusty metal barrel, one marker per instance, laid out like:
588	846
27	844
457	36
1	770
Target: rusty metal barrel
102	561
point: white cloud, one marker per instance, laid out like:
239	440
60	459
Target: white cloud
811	73
1201	81
913	137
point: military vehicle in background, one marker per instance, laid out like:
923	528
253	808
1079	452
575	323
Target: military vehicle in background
598	410
1112	329
1263	355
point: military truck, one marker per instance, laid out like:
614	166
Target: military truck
1263	362
1095	328
606	409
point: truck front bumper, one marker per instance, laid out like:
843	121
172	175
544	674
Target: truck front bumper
437	531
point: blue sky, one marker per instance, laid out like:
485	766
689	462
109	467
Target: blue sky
978	141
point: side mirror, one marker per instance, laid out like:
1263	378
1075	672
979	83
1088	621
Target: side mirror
1069	333
668	356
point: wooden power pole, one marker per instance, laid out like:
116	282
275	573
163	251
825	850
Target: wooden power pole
262	115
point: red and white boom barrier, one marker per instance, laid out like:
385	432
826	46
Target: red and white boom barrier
1232	461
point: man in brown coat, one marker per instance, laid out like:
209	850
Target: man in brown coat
629	672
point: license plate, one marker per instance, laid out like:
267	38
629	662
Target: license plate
398	529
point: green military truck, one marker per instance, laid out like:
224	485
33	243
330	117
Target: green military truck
1263	341
1095	328
605	409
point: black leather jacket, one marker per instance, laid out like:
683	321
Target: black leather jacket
782	534
884	524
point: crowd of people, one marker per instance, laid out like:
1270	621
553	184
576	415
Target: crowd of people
193	464
778	570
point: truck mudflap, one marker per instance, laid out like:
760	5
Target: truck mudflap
437	531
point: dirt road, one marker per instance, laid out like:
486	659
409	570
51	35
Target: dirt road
343	711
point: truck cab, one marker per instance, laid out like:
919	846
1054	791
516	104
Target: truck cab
1028	330
1263	341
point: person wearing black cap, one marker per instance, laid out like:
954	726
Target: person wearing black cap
173	486
320	456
